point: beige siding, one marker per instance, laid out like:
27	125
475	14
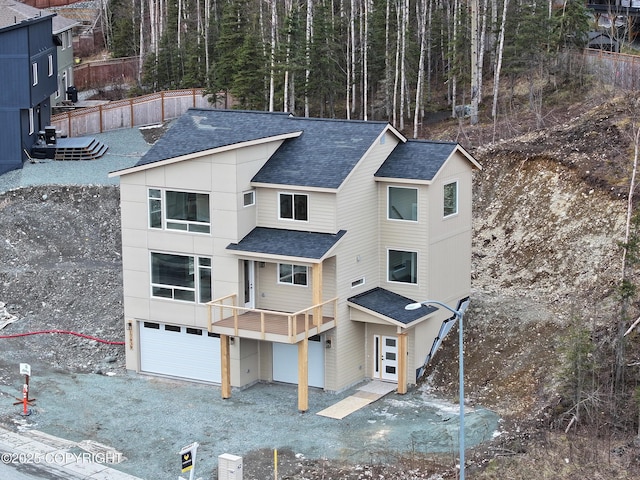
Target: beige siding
224	177
245	362
266	361
357	257
322	211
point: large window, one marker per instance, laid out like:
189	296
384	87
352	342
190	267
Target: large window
294	206
186	211
292	274
181	277
402	203
402	266
450	199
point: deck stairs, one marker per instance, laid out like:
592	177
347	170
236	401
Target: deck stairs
83	148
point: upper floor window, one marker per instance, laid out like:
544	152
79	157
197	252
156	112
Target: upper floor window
173	210
294	206
402	266
181	277
450	198
69	39
292	274
34	73
50	65
248	198
402	203
31	122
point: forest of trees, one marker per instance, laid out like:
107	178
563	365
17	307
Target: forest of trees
391	60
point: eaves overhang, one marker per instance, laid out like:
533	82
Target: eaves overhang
384	306
280	245
202	153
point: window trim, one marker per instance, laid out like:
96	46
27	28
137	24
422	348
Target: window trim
252	193
293	275
34	73
50	62
32	126
388	266
457	195
389	187
165	222
293	196
198	270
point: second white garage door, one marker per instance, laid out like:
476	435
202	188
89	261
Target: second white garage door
285	362
183	352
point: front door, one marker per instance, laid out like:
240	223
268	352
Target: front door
249	280
385	358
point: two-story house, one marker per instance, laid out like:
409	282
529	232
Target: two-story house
28	78
37	62
265	247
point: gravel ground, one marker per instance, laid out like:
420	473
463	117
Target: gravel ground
149	420
126	146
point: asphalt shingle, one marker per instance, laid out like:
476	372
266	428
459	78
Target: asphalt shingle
290	243
416	160
390	305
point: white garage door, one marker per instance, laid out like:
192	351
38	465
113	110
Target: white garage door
191	353
285	362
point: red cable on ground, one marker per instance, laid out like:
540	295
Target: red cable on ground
109	342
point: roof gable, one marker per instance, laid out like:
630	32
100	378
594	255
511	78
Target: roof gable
390	306
419	160
323	156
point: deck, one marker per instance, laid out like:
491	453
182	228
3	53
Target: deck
281	327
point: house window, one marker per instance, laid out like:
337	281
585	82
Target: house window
181	277
50	65
402	266
69	39
292	274
450	199
402	203
248	198
185	211
294	206
34	73
31	122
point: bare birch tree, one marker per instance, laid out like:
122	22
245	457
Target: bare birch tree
422	35
498	66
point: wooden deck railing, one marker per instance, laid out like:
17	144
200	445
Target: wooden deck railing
225	312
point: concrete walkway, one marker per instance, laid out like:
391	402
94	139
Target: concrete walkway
362	397
35	450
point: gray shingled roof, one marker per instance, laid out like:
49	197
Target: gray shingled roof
390	305
416	160
322	156
12	12
289	243
202	129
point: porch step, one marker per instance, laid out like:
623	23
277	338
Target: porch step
80	148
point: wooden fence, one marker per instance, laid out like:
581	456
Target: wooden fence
99	73
616	69
149	109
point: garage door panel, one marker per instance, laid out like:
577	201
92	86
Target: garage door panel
171	350
285	363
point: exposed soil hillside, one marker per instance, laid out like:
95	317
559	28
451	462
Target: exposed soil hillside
549	206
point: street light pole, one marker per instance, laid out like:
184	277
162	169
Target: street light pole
459	313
